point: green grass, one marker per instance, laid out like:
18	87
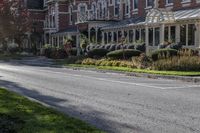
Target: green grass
18	114
7	57
125	69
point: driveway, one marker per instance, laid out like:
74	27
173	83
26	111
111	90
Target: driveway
112	102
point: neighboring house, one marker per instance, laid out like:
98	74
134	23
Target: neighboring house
153	22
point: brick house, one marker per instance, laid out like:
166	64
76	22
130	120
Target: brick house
152	22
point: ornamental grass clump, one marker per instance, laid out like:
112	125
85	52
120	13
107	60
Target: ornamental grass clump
142	62
178	63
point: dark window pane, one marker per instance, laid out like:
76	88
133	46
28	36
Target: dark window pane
191	34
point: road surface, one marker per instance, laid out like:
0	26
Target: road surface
112	102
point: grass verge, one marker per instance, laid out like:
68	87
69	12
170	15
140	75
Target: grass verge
125	69
18	114
7	57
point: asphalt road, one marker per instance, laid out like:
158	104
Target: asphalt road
112	102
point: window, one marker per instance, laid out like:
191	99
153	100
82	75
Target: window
116	10
170	34
186	1
187	34
127	7
151	37
135	4
149	3
137	35
169	2
191	34
157	36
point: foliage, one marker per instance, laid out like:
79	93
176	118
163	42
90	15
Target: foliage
106	62
178	63
141	47
142	62
84	41
14	20
73	51
176	46
54	52
128	53
188	52
96	53
163	53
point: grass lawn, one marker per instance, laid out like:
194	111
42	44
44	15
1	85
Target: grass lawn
18	114
125	69
7	57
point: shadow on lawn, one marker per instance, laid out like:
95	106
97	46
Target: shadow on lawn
91	115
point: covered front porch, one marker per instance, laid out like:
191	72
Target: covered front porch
159	27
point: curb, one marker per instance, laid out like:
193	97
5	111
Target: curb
145	75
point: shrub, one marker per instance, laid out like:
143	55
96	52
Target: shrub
142	61
131	46
106	62
73	51
118	47
58	53
89	61
162	46
96	53
112	47
102	47
188	52
163	53
108	46
175	46
182	63
141	47
128	53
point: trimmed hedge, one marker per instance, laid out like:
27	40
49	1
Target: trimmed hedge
96	53
141	47
118	54
163	53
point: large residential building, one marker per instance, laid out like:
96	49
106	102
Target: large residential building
153	22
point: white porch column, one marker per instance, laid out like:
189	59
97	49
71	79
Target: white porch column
89	35
134	33
96	34
107	34
58	41
52	41
112	40
63	39
78	44
146	39
117	36
178	33
127	37
103	38
162	34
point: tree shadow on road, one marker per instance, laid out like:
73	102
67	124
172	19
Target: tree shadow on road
91	115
